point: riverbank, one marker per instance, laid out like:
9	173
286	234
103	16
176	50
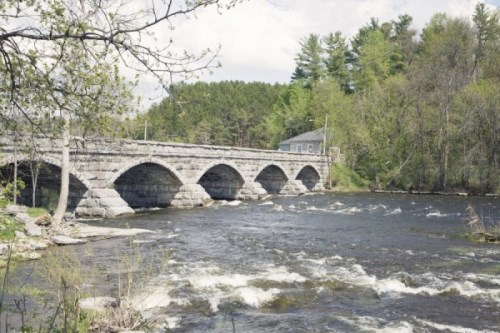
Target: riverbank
25	237
460	194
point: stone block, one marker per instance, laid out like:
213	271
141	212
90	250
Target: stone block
37	245
81	211
112	202
191	188
175	203
90	202
104	193
260	191
244	192
251	185
15	209
32	229
95	211
201	195
118	211
65	240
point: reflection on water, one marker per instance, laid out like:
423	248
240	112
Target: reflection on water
317	263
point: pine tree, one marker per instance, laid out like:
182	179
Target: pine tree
310	66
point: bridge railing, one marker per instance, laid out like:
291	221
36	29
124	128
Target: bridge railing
113	146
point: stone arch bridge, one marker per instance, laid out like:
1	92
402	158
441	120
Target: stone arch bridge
110	177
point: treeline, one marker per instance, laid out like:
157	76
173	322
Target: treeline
224	113
409	110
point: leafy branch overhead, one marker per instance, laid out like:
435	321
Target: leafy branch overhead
60	61
37	36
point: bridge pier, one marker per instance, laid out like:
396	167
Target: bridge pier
104	202
251	191
191	195
112	177
294	187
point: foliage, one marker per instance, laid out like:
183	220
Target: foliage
408	111
310	67
415	114
337	52
68	275
223	113
8	191
346	178
36	211
60	63
291	114
8	228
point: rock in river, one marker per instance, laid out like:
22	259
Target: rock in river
65	240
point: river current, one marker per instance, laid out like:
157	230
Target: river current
315	263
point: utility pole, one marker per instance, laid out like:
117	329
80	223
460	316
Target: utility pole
324	135
327	155
145	130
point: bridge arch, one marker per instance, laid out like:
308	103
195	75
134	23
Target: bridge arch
126	167
273	178
146	183
48	183
309	176
222	180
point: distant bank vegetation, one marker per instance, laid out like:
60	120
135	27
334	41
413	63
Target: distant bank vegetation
410	110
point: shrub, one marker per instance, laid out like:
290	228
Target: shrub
8	228
345	177
479	230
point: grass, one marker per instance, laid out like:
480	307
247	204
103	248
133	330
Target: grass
36	211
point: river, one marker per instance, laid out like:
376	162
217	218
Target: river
317	263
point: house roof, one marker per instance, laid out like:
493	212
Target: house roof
316	135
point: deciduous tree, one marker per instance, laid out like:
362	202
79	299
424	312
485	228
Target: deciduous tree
64	56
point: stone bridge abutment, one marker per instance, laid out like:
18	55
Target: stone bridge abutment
113	177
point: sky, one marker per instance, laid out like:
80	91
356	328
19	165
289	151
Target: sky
259	39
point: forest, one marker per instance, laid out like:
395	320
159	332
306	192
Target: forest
409	110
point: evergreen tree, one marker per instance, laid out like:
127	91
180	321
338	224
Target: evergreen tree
336	53
310	66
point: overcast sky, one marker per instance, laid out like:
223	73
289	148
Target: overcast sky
260	38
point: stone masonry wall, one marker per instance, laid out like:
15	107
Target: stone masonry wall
98	163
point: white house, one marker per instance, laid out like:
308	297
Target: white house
309	142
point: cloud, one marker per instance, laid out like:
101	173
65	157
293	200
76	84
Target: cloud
260	38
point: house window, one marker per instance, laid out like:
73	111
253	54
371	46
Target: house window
299	148
310	148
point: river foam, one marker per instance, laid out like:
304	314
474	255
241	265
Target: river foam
216	286
377	325
451	328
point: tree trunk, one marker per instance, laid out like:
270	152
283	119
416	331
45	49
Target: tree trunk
63	195
35	171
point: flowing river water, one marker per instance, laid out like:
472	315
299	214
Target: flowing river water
316	263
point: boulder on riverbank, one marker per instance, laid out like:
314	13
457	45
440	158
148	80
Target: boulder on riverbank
65	240
80	230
